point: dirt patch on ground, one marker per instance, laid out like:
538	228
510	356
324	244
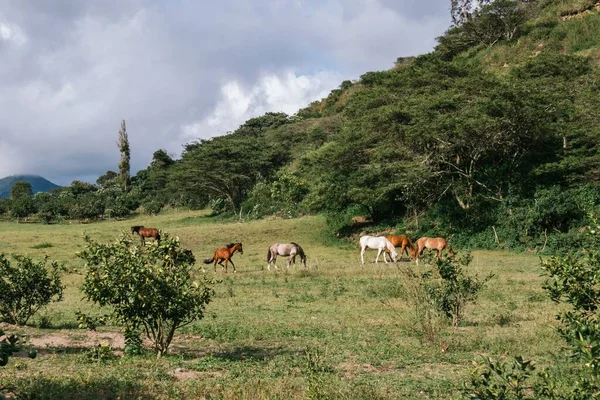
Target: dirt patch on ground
78	339
350	369
183	374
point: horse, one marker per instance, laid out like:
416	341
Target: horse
225	254
404	243
286	250
146	233
438	244
380	243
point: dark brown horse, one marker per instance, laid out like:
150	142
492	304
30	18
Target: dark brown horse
225	254
146	233
404	243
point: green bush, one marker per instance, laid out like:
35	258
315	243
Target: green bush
149	288
574	280
27	287
454	290
152	207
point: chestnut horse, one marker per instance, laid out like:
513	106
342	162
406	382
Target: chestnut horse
404	243
225	254
438	244
146	233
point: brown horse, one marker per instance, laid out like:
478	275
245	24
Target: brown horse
438	244
225	254
404	243
146	233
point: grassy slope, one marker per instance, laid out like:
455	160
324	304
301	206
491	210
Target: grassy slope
253	340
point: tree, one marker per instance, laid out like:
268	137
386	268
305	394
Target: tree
124	166
148	288
461	9
27	287
22	204
225	167
110	178
20	190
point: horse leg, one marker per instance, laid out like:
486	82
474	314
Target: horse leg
402	249
362	255
378	254
221	264
226	262
232	264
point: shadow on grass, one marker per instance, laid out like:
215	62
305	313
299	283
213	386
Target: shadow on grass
254	353
73	388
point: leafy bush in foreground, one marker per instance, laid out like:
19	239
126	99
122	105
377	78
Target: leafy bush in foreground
574	280
27	287
149	288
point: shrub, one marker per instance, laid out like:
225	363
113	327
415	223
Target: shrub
10	344
455	289
149	288
153	206
574	280
27	287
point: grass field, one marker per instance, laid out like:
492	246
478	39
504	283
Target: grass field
335	330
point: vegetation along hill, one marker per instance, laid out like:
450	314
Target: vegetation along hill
38	184
497	128
491	139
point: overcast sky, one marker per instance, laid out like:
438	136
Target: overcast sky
179	70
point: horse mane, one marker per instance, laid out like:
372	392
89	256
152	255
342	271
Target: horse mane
136	228
410	244
299	249
230	245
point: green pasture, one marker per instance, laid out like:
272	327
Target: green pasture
335	330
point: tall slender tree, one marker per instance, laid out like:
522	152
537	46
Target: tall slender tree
124	165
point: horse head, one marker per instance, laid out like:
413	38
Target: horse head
240	248
136	228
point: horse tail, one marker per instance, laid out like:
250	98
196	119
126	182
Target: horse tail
209	260
268	254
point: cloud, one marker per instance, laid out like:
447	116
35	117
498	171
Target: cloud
286	92
179	70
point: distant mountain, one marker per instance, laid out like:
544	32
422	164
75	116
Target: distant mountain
38	184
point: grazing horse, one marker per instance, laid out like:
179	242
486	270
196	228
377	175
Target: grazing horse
286	250
438	244
404	243
380	243
225	254
146	233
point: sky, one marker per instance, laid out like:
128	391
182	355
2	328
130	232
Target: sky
179	70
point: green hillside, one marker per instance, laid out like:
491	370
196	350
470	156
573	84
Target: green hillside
491	139
498	127
38	184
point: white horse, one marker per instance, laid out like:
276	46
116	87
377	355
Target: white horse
380	243
286	250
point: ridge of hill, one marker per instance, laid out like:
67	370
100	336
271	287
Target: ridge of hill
38	184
